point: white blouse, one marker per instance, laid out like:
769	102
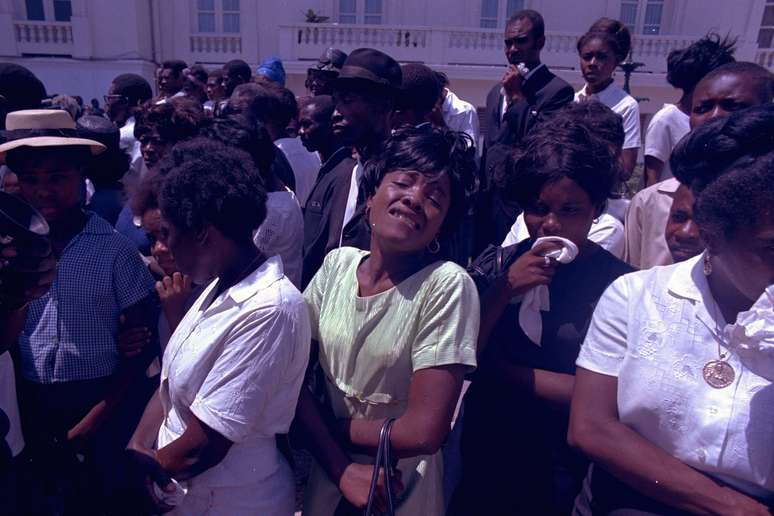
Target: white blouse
237	362
282	233
655	330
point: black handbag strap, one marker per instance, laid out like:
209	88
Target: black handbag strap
383	461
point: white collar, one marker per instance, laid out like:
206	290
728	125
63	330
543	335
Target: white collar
269	272
611	93
688	280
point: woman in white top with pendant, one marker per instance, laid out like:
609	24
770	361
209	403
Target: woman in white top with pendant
674	393
601	50
233	368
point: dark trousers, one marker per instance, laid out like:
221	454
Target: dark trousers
55	479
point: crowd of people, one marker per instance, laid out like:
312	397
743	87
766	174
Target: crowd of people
225	299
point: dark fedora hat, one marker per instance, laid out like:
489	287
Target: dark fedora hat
371	66
331	60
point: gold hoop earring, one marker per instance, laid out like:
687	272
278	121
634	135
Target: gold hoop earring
707	264
434	246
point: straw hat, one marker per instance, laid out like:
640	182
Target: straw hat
43	128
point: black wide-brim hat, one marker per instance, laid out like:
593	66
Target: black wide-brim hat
368	65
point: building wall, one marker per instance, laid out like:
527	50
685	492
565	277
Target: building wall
108	37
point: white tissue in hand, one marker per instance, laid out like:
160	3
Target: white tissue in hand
537	299
173	498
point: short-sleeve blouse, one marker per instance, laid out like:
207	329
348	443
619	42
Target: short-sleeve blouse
371	346
655	330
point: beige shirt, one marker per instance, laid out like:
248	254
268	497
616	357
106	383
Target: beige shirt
646	219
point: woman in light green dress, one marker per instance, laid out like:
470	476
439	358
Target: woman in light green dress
396	329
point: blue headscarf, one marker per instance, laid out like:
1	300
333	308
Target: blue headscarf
272	69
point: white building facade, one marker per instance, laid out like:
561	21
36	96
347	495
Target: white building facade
78	46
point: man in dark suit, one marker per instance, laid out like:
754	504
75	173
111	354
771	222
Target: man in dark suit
527	93
365	94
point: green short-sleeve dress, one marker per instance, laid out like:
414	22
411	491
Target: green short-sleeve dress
371	346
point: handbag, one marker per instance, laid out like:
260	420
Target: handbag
383	461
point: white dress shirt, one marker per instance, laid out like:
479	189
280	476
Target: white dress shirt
646	219
282	233
306	165
460	116
655	330
354	188
621	103
665	130
131	146
607	231
236	362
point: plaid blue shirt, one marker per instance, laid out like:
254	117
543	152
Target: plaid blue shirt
70	333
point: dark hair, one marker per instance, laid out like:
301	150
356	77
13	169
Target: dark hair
687	66
16	159
217	72
324	104
175	120
135	88
288	107
442	79
761	78
220	186
613	32
256	101
560	147
108	167
534	17
21	89
175	65
603	121
146	196
420	89
236	68
199	73
250	136
728	163
432	152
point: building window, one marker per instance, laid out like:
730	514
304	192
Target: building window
766	34
370	12
218	16
654	9
642	16
230	15
35	10
63	10
205	15
495	13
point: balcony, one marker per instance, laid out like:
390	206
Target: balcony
765	58
44	38
217	48
469	47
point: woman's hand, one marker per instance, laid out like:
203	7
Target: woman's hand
146	465
355	485
173	292
132	341
530	270
742	505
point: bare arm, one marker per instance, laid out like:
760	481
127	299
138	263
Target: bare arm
554	388
197	450
653	169
628	162
596	430
423	428
144	437
129	371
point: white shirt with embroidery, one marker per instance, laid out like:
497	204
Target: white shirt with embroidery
655	330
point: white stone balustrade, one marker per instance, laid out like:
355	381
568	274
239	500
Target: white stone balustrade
453	46
44	38
215	47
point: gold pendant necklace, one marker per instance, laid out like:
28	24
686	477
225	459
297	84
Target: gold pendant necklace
718	373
